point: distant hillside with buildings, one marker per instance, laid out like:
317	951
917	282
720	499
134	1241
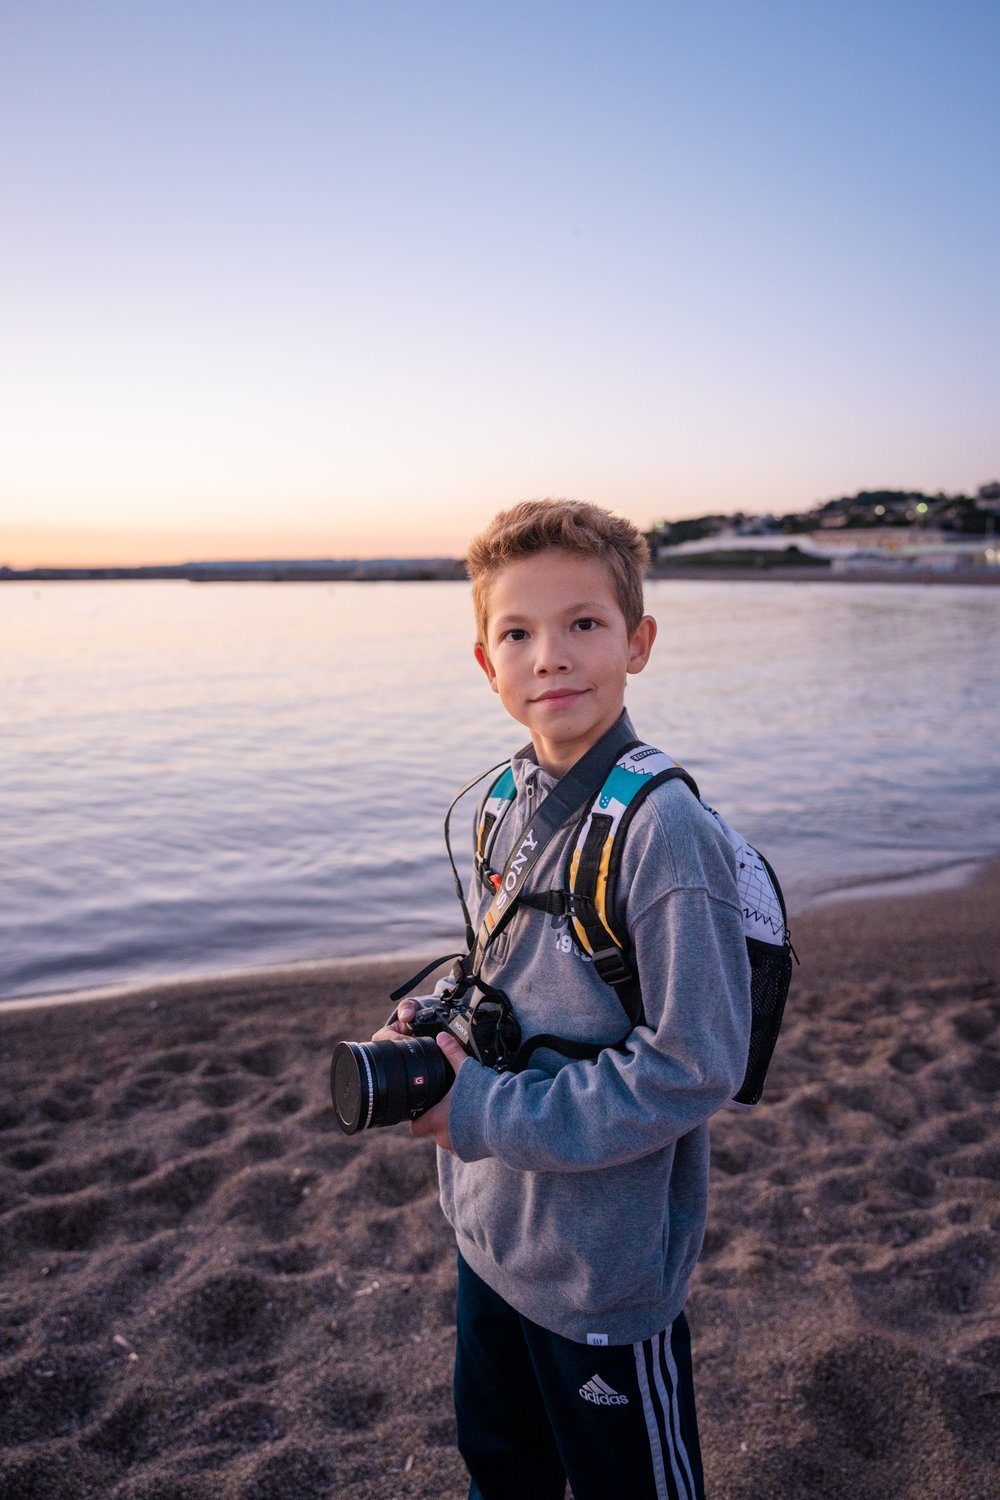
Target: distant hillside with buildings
954	515
897	531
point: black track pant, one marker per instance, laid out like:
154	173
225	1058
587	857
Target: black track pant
535	1409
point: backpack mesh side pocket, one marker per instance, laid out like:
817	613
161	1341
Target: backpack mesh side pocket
770	977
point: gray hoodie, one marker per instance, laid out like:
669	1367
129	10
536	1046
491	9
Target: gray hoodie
578	1190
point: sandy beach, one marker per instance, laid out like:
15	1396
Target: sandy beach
207	1292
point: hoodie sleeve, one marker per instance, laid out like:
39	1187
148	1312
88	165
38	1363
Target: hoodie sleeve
677	1069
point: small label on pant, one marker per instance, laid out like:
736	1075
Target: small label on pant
597	1338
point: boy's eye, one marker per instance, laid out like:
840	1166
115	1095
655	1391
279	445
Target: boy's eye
586	623
517	634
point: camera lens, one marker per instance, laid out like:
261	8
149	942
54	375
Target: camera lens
381	1083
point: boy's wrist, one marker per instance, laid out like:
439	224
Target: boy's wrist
467	1116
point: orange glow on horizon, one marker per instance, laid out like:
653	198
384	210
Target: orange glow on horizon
131	547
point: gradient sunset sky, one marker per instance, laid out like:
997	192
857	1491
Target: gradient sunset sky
293	279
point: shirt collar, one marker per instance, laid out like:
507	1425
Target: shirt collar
528	773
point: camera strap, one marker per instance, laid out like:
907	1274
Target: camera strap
553	812
566	798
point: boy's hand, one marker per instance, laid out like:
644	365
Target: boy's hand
400	1027
435	1121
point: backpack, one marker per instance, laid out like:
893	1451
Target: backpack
588	899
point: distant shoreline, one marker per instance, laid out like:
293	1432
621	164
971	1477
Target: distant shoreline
421	570
453	571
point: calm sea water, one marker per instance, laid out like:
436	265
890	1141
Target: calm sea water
198	778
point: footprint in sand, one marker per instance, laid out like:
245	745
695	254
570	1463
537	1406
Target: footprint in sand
73	1225
237	1316
953	1278
119	1167
968	1129
264	1145
221	1092
148	1091
274	1200
242	1425
289	1102
69	1101
347	1405
983	1074
175	1061
49	1394
398	1175
376	1242
28	1475
288	1260
910	1058
265	1059
975	1025
128	1434
27	1158
204	1130
173	1193
295	1470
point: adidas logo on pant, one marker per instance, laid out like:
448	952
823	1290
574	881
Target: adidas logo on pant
599	1393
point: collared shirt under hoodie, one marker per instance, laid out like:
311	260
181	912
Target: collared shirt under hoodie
578	1190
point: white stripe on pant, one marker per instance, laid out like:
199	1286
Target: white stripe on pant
666	1443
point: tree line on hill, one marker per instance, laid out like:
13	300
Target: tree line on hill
961	515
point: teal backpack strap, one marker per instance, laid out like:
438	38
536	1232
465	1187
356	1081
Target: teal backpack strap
496	802
595	859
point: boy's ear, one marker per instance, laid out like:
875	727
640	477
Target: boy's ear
486	664
641	644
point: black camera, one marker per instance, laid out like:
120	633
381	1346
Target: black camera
381	1083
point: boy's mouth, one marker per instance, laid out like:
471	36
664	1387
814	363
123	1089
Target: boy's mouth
560	695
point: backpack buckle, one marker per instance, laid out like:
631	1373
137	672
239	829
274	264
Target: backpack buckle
611	966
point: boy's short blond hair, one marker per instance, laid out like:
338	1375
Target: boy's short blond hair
569	526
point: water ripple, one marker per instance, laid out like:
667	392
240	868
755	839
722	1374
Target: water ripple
201	778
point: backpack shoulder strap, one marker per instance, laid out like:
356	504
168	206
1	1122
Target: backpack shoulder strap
592	870
497	801
595	859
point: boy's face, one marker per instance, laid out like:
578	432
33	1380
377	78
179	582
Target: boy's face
558	650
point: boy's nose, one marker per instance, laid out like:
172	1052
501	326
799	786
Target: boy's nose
550	657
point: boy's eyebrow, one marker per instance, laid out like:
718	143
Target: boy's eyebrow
587	606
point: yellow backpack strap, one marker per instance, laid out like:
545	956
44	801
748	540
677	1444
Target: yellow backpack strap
595	858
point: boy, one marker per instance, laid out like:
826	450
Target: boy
577	1189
